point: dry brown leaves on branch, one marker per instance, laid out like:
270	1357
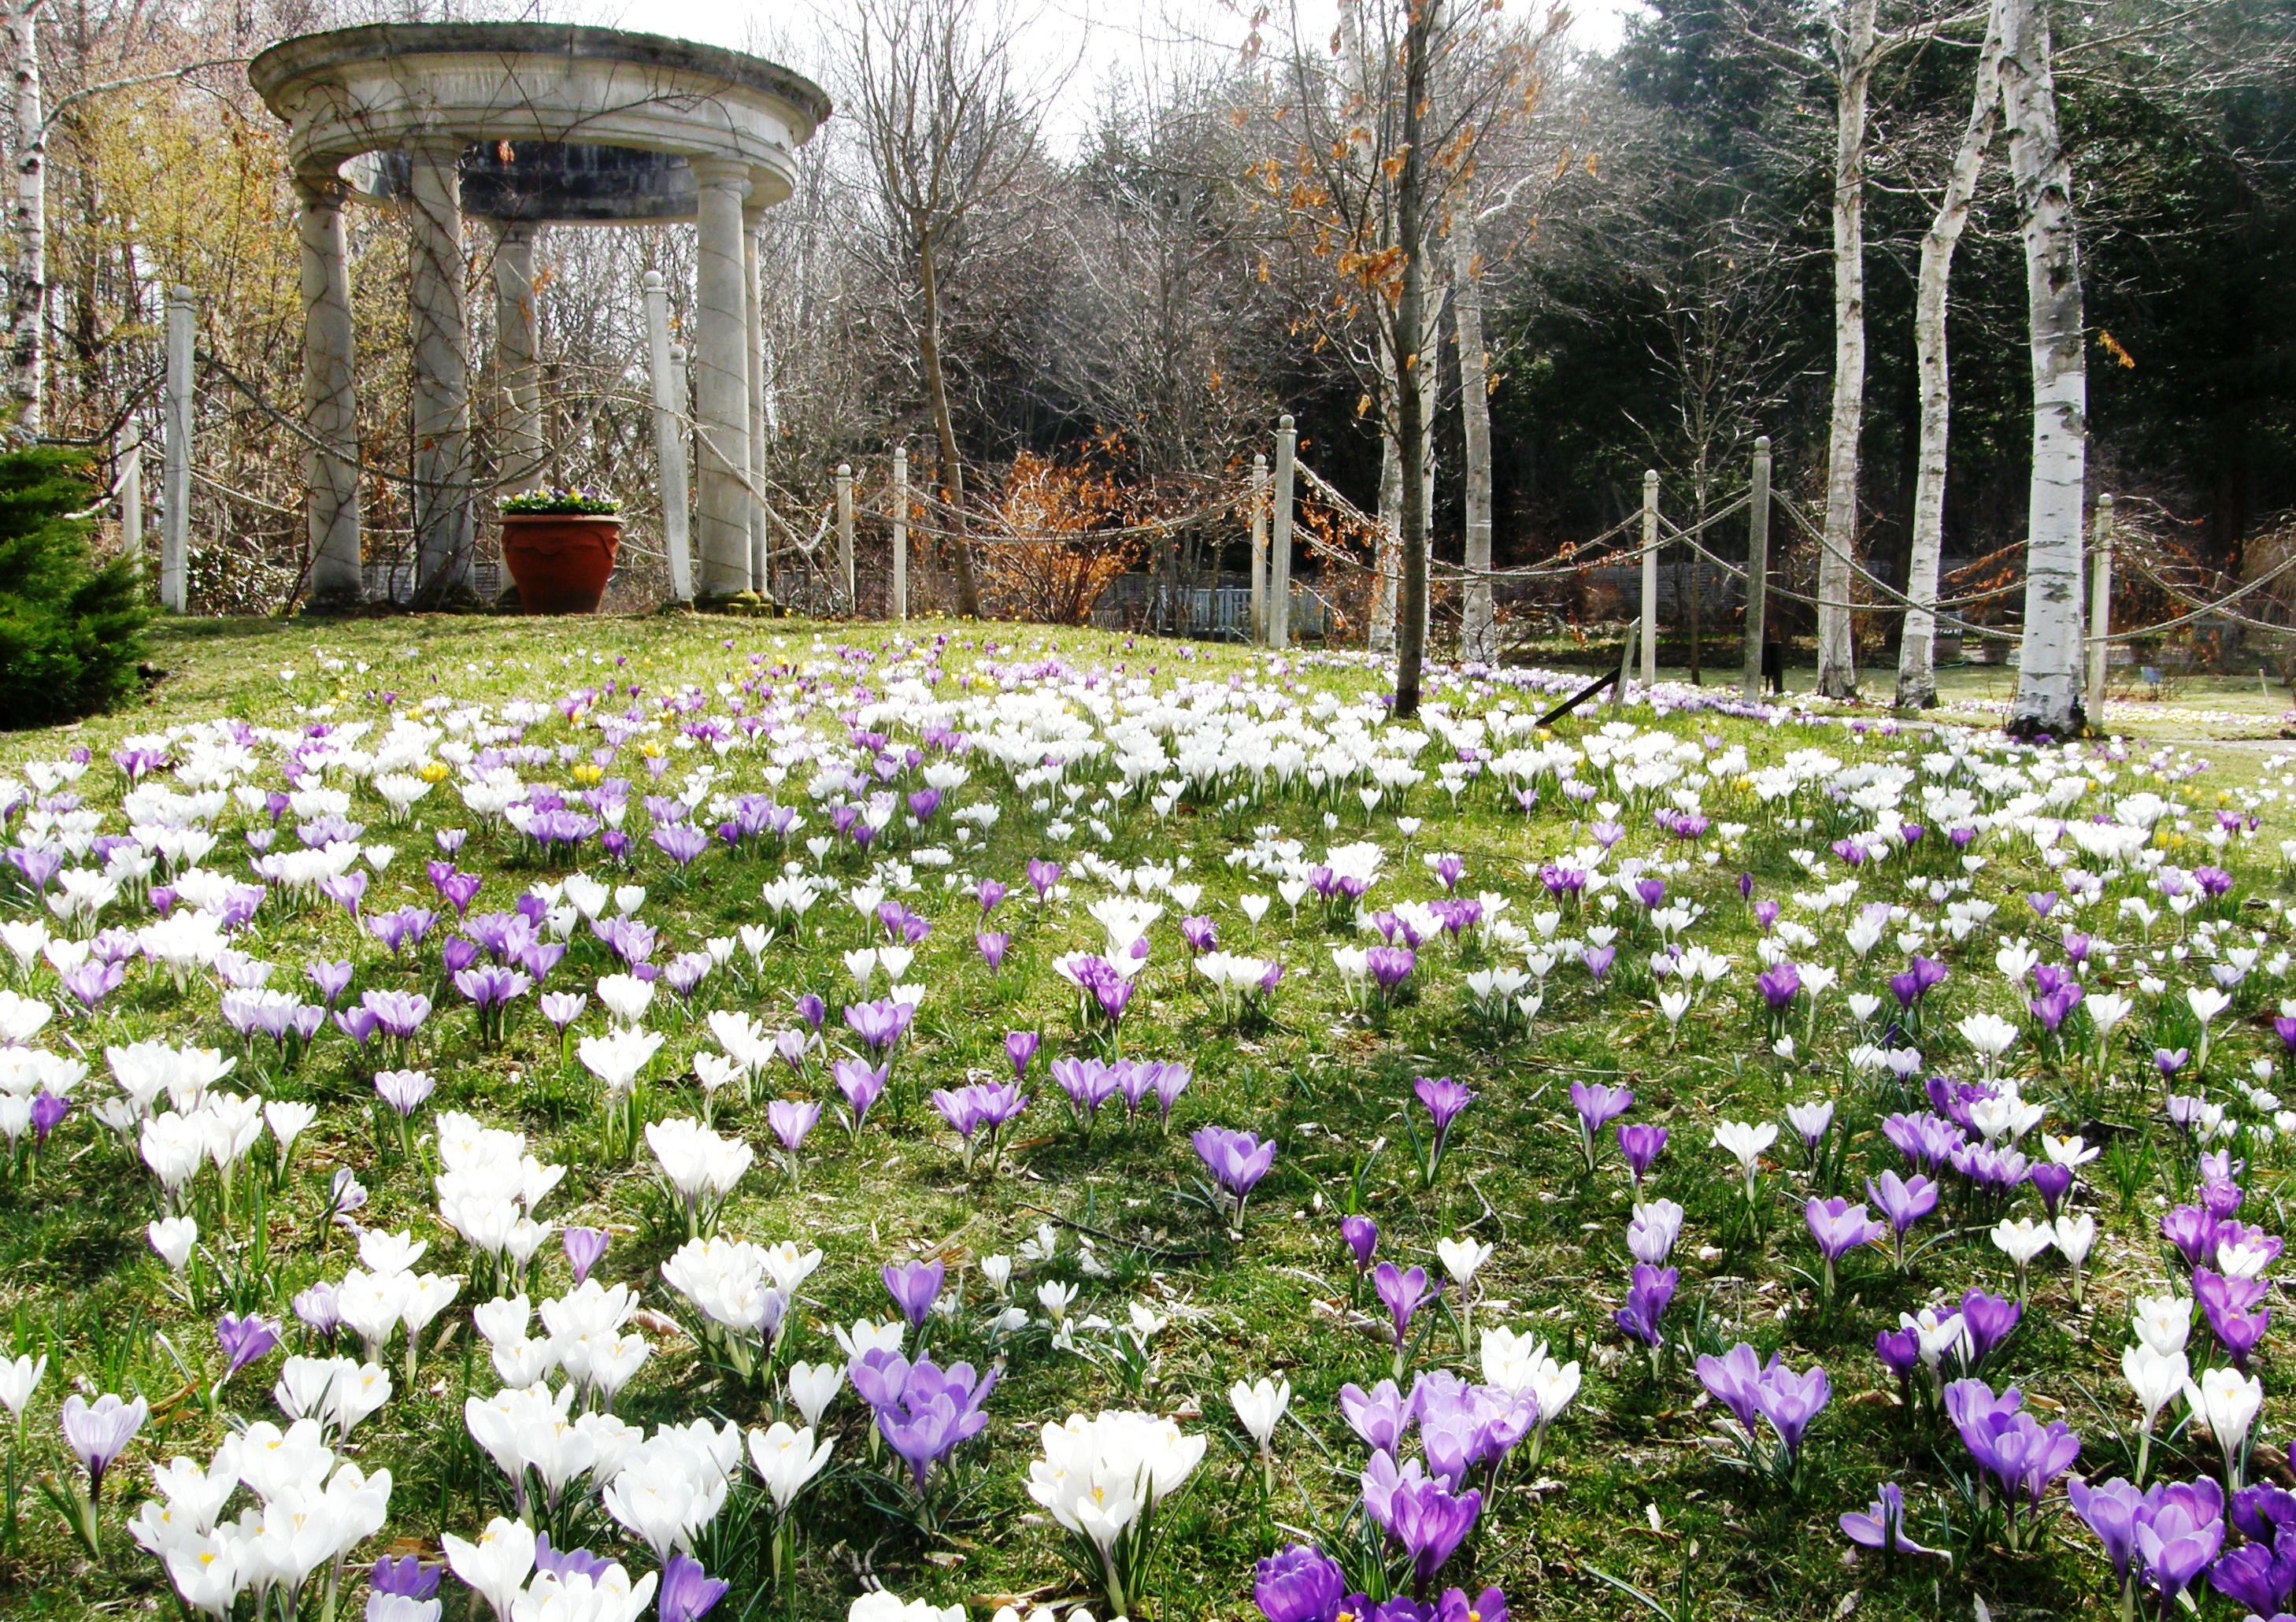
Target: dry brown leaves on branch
1057	582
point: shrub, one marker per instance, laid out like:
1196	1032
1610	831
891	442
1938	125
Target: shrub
584	503
70	632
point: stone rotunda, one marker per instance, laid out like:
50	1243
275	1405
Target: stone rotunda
524	125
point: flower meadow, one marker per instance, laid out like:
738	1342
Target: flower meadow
985	1123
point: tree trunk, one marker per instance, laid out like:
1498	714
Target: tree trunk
1837	653
27	302
2049	684
1410	414
1478	640
1387	548
1916	649
952	470
1431	380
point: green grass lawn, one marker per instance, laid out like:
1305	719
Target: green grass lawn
1637	1480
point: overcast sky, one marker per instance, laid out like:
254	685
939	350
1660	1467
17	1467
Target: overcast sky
1081	44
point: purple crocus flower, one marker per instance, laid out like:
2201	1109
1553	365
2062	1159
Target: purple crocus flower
1778	985
399	1014
2178	1533
1639	1146
1899	1351
1299	1584
1925	1139
992	947
1839	1227
1445	1100
1597	963
88	983
1042	876
98	1433
1732	1380
2052	1181
1988	1320
915	1286
1648	1296
1088	1083
1020	1049
1389	967
687	1591
2191	1229
1598	1104
332	979
1883	1526
48	1112
1237	1161
2111	1512
2260	1576
1419	1513
861	1085
1361	1236
244	1341
1380	1416
881	1024
936	1412
2009	1443
586	1248
791	1120
1403	1294
1790	1402
405	1577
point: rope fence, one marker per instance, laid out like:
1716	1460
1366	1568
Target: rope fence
791	535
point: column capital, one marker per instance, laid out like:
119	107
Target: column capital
437	145
730	173
322	189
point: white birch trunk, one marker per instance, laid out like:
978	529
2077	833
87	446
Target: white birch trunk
1917	647
1837	657
27	301
2049	684
1477	619
1431	381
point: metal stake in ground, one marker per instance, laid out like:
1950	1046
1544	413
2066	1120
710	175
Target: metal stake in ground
2099	612
1758	567
1650	578
899	606
1279	553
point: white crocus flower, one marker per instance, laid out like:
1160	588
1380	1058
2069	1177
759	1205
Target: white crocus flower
2228	1402
1747	1144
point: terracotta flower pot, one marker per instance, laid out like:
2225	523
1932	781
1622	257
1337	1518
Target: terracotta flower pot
561	561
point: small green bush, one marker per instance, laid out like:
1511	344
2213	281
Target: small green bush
70	632
559	503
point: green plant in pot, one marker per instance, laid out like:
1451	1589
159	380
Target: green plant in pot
560	545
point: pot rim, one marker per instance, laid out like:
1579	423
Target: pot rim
560	518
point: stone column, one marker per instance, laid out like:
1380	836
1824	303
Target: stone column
667	368
722	379
760	534
439	411
331	500
516	356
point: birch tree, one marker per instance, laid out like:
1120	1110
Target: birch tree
1917	645
2048	682
1855	55
28	284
